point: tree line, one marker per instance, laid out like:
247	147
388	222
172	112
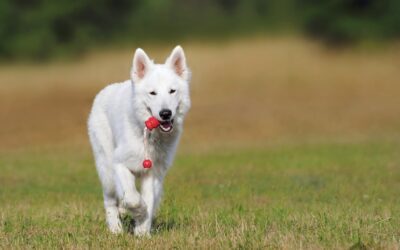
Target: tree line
40	29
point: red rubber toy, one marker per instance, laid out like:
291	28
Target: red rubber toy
152	123
147	163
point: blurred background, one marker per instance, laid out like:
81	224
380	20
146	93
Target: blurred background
263	71
40	29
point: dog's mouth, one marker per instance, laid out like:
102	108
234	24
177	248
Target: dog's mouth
167	126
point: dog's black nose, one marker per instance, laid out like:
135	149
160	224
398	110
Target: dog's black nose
165	114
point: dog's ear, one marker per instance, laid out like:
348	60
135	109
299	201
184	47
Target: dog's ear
140	65
177	61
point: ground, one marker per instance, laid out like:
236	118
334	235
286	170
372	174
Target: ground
288	145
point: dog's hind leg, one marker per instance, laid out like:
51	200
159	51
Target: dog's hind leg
109	194
102	145
112	214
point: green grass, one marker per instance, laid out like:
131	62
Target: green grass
304	196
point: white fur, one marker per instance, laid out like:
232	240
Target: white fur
116	125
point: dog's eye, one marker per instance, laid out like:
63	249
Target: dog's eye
153	93
172	91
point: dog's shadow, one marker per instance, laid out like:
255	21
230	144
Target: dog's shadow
159	225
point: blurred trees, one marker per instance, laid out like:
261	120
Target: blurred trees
42	28
343	21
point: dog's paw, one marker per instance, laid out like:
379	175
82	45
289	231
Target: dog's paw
142	231
113	221
115	227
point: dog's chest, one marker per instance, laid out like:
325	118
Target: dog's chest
161	149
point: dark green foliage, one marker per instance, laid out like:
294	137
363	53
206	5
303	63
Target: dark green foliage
39	29
343	21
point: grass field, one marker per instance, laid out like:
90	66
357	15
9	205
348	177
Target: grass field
288	145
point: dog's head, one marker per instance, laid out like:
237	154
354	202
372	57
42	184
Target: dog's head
161	90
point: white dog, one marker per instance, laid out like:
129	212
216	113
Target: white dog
116	125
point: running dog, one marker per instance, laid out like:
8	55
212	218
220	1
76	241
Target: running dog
116	124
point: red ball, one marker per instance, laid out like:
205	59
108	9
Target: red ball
151	123
147	163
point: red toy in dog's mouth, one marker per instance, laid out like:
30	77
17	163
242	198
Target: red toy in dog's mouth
166	126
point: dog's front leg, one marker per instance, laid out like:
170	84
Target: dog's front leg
148	194
158	192
129	196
